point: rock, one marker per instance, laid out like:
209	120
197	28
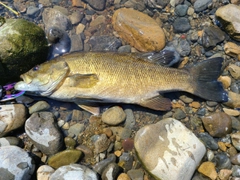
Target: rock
76	17
97	4
111	172
33	11
232	49
10	140
227	15
211	36
113	116
39	106
236	171
236	140
44	172
167	141
233	100
99	167
104	43
179	114
236	159
218	124
76	129
222	161
157	4
76	43
136	174
12	116
128	144
231	112
208	169
15	163
181	25
139	30
63	158
18	48
42	130
234	71
99	20
183	47
181	9
73	171
224	174
226	81
102	143
130	119
69	142
123	133
126	161
86	150
201	5
208	141
123	176
80	28
54	18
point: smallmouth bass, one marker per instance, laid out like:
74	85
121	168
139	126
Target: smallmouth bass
87	78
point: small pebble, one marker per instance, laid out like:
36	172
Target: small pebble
208	169
128	144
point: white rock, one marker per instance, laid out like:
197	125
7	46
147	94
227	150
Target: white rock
44	172
169	150
15	163
73	171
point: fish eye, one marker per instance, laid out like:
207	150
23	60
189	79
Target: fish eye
35	68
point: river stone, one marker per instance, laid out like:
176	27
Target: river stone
11	140
39	106
160	146
65	157
218	124
12	116
138	29
15	163
232	49
44	172
229	19
74	171
234	71
200	5
21	48
208	169
44	133
96	4
114	116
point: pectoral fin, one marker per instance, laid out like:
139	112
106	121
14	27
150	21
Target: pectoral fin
157	103
82	80
95	110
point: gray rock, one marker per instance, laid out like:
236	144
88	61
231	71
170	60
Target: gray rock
101	143
99	167
179	114
76	43
10	140
181	25
44	133
222	161
127	160
136	174
73	171
111	172
113	116
236	171
39	106
160	146
181	9
33	11
97	4
208	141
15	163
157	4
76	17
123	133
76	129
201	5
105	43
183	47
12	116
53	17
130	119
124	49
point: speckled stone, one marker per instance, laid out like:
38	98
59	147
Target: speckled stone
167	141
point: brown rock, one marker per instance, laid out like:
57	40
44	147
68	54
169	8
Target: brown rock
226	81
208	169
123	176
231	112
218	124
236	159
222	146
234	71
229	18
236	140
232	49
224	174
233	100
139	30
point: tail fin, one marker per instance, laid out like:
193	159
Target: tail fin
205	75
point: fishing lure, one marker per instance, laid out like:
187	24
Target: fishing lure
8	92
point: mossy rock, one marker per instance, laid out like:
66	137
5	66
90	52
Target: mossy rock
22	46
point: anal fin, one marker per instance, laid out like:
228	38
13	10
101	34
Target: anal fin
158	103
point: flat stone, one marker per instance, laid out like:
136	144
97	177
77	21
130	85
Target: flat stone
231	112
114	116
15	163
139	30
208	169
232	49
12	116
200	5
234	71
160	146
43	132
39	106
228	17
73	171
63	158
97	4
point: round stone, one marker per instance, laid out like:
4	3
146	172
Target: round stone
114	116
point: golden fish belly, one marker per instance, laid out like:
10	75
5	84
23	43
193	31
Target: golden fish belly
121	78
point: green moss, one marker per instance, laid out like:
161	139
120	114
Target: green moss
22	46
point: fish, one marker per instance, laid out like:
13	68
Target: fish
92	78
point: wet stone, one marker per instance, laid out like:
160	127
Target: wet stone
218	124
236	159
208	169
126	161
233	100
123	176
76	43
136	174
96	4
99	167
183	47
111	172
63	158
73	171
44	172
181	9
43	132
130	119
208	141
201	5
39	106
76	17
101	143
222	161
153	144
124	49
186	99
10	140
236	140
76	129
179	114
236	171
128	144
181	25
114	116
104	43
15	163
33	11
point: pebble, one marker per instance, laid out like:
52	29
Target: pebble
44	172
231	112
147	36
236	140
236	159
232	49
224	174
76	43
76	129
99	20
73	171
12	116
234	71
179	114
181	25
97	4
218	124
111	172
123	176
123	133
200	5
208	169
15	163
183	47
130	121
114	116
226	81
102	143
181	9
222	161
80	28
186	99
33	11
10	140
126	161
233	100
100	166
63	158
76	17
136	174
128	144
235	171
208	141
104	43
39	106
43	132
227	15
166	141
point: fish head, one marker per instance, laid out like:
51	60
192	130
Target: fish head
43	79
